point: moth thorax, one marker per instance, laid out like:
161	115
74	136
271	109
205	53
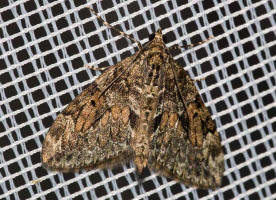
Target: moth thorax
156	60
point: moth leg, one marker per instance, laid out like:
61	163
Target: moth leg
199	79
101	69
189	46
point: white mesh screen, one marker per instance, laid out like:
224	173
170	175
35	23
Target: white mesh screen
45	44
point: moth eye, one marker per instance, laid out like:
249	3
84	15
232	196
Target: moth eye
151	37
93	103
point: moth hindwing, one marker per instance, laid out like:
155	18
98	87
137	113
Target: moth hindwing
145	108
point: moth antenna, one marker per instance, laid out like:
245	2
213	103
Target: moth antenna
189	46
115	29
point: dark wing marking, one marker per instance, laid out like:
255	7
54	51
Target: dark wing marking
185	144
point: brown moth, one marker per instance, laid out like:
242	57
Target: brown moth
145	108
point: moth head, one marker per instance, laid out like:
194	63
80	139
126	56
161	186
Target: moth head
157	36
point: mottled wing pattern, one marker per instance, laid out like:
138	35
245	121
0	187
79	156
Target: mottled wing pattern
144	108
185	144
93	130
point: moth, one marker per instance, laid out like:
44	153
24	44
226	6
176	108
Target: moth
145	108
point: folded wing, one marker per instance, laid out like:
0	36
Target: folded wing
94	129
185	144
